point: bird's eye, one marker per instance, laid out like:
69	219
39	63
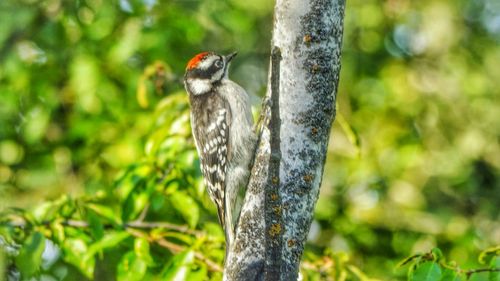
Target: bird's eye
218	63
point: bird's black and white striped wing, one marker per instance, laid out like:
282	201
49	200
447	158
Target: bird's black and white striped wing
212	144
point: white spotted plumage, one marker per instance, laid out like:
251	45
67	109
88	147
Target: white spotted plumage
222	125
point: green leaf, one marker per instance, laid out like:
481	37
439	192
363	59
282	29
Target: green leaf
68	208
42	211
180	125
486	255
186	206
131	268
140	202
186	238
125	184
141	249
74	253
109	240
79	254
57	231
494	265
177	269
30	257
157	201
450	275
437	254
95	225
105	212
427	271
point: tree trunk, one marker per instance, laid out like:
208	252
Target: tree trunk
296	120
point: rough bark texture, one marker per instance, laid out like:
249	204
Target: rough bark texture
296	119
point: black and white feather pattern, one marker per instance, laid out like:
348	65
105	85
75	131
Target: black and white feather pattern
222	124
211	133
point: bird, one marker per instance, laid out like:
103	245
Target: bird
222	128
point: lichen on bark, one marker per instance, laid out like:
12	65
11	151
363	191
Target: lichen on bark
298	113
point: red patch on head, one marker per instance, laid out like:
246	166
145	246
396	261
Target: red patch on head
194	61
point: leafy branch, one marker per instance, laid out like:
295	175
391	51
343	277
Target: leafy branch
132	224
132	228
432	266
123	220
175	248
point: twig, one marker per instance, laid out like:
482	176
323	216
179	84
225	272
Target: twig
145	225
213	266
175	248
75	223
132	224
469	272
180	228
131	227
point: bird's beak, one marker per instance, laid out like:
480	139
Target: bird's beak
230	57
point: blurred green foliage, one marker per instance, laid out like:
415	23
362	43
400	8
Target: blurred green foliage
151	224
420	167
92	107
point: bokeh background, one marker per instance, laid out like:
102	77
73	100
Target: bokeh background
414	156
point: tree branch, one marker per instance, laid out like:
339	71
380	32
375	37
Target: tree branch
469	272
132	224
132	228
272	199
175	248
299	109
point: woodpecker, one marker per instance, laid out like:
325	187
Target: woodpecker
222	125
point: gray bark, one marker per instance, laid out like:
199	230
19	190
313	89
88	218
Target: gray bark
296	120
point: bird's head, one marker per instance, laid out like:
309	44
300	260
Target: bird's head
206	70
